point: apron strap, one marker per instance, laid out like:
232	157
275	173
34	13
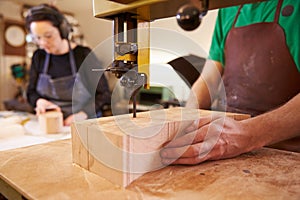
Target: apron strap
46	63
276	17
277	14
236	16
72	60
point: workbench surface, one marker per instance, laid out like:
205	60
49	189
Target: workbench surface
46	171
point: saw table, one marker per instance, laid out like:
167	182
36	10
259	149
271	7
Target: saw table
46	171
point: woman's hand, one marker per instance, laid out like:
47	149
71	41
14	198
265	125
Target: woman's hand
42	105
209	139
75	117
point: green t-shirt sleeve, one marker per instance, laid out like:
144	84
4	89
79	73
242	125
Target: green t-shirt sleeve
216	50
223	24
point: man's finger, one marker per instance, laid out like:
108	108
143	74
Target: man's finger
193	154
206	151
187	139
198	124
189	151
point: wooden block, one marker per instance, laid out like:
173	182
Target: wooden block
51	122
79	151
121	148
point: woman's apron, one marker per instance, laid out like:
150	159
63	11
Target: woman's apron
68	92
259	73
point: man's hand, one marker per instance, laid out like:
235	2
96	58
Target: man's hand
42	105
209	139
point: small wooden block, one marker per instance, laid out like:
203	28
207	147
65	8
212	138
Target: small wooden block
51	122
121	148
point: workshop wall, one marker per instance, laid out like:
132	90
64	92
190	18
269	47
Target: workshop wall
171	42
9	11
201	36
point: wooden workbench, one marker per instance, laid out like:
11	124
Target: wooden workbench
46	172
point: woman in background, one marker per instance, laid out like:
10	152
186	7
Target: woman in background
55	79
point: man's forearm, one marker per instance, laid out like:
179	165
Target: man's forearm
277	125
206	86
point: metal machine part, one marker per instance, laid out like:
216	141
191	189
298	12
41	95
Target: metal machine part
131	48
189	16
156	9
133	82
125	64
125	44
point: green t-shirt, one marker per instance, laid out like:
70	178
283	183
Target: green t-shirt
266	12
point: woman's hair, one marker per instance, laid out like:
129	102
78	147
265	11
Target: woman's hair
45	12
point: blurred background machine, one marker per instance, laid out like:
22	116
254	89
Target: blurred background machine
132	32
19	102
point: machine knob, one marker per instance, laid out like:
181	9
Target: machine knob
189	17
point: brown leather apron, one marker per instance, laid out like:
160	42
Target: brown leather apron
259	73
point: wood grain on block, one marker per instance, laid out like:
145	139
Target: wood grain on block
51	122
122	148
80	153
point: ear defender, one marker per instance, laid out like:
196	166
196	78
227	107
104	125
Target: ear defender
64	26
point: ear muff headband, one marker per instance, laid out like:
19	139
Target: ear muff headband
64	26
